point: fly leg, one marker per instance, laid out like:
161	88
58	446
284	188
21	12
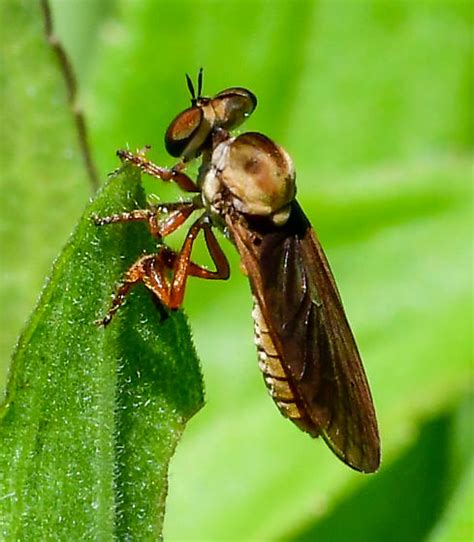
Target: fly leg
176	215
134	275
174	174
218	257
165	273
182	266
159	228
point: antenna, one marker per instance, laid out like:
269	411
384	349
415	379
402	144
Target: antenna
194	97
199	82
191	89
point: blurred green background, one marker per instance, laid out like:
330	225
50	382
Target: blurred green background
373	100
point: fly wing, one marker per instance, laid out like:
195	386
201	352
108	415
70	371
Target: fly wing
299	307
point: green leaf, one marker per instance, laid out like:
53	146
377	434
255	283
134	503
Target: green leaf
92	415
457	523
42	177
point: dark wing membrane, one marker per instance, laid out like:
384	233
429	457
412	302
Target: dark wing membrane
293	284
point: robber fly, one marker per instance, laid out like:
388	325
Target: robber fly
246	188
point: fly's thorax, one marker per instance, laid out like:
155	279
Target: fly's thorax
257	174
209	181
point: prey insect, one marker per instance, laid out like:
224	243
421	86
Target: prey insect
246	188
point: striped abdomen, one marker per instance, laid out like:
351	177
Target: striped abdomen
273	371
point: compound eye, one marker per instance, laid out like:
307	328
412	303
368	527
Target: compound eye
182	131
232	106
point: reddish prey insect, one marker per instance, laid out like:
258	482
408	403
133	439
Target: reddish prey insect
246	188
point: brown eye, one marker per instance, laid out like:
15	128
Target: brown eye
182	131
232	106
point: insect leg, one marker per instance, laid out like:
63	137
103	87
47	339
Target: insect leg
218	257
159	227
174	174
137	273
152	271
222	271
183	267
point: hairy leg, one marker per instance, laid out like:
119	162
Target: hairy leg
174	174
154	271
160	226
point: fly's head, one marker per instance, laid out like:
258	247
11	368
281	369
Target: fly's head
249	174
192	132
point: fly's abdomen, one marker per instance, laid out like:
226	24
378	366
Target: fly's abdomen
269	362
275	376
